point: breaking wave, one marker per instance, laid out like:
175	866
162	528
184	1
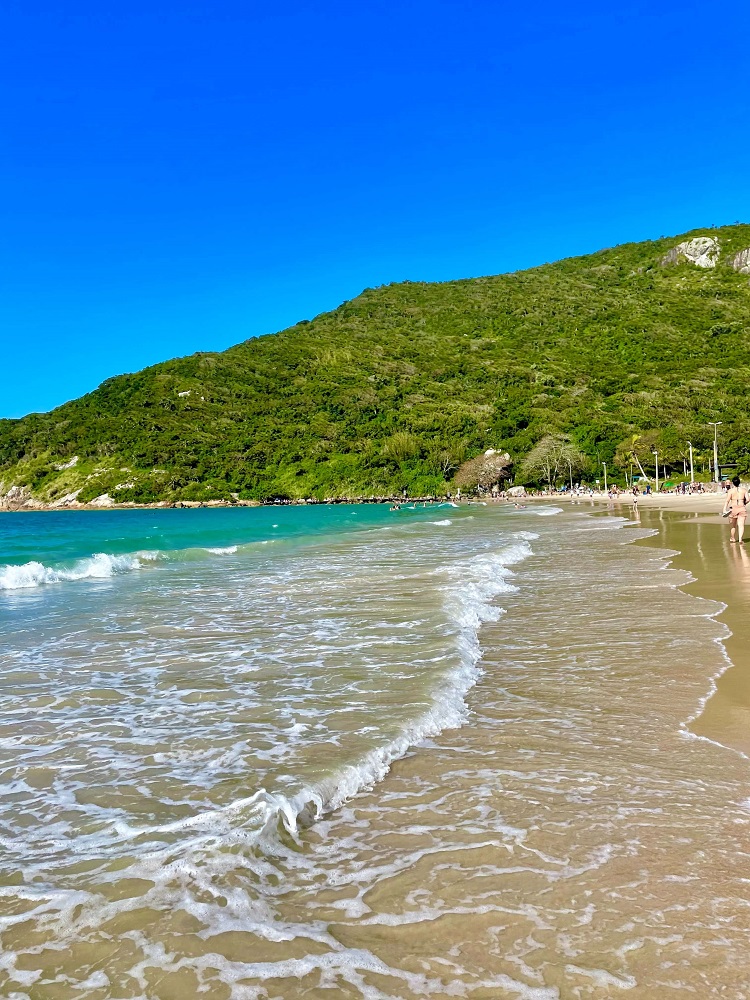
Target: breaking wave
99	566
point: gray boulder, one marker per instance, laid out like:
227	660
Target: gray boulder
103	500
703	251
741	261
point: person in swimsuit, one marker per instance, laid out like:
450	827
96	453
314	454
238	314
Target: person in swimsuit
736	504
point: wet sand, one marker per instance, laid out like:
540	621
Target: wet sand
573	841
722	573
693	525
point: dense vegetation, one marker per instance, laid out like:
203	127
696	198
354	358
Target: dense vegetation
399	386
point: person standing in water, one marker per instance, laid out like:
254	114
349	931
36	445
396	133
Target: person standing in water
736	506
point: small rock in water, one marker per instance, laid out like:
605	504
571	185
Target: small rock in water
307	815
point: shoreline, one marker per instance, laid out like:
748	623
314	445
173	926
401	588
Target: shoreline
574	802
688	503
719	572
684	524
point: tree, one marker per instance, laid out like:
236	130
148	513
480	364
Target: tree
554	456
447	460
632	449
639	448
400	447
485	470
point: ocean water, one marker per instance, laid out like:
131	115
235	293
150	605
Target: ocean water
348	752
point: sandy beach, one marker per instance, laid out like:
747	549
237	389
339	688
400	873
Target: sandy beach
694	527
722	573
567	820
697	503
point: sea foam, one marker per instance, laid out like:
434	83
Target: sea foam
99	566
468	591
469	600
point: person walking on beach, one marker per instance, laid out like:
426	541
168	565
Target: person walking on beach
736	506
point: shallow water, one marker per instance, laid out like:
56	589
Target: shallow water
484	710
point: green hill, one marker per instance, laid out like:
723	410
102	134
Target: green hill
398	386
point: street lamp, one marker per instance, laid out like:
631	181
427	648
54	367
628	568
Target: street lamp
656	458
715	424
605	476
692	477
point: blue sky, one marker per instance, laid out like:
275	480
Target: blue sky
179	177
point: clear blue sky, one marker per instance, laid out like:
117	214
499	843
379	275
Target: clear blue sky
181	176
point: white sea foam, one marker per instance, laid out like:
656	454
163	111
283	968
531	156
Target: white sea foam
442	524
548	511
99	566
263	647
469	598
468	588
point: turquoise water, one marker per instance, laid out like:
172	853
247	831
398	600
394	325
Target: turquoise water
190	673
55	538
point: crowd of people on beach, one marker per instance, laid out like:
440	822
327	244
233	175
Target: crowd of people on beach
500	493
736	498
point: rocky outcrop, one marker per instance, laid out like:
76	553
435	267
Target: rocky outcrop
69	500
104	500
19	498
703	251
17	494
741	261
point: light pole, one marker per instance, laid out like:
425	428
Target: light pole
692	477
570	470
605	476
715	424
656	458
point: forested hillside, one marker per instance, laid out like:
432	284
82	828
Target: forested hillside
623	350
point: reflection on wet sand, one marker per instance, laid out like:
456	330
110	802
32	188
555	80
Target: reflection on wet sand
722	571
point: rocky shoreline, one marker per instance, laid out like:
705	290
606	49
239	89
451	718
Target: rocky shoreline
18	499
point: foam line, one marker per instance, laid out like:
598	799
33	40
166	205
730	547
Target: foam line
469	605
